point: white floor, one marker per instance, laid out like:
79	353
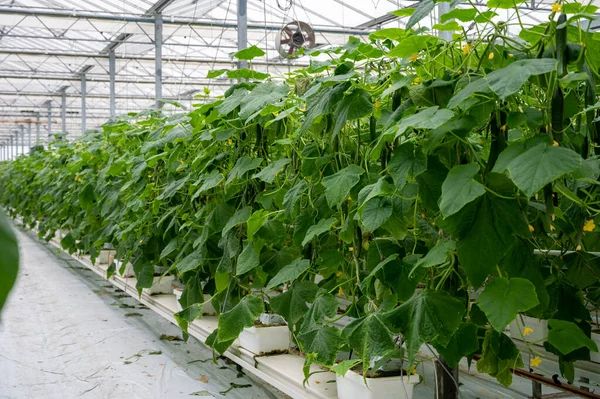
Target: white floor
65	333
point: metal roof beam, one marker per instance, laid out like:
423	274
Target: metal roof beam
77	95
102	78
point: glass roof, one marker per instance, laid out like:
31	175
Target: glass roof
46	44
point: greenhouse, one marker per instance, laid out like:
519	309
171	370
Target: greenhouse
353	199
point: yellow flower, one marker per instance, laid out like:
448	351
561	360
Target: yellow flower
141	241
553	217
491	56
349	198
555	143
589	225
416	80
459	72
552	228
578	248
275	113
467	48
229	142
351	249
510	55
340	292
556	7
413	57
339	274
503	128
527	331
181	161
390	85
531	228
535	362
302	109
377	104
413	370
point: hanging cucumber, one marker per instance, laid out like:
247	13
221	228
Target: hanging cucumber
373	128
561	45
498	136
557	109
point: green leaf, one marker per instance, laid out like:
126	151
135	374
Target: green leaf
67	242
463	343
353	106
485	229
242	315
325	342
342	367
462	14
567	337
438	254
448	26
474	86
241	216
460	188
396	34
380	188
190	262
215	73
246	73
289	272
9	261
249	53
242	166
291	304
271	171
212	180
540	165
508	80
256	221
321	103
169	248
321	227
504	4
404	12
503	299
324	305
265	94
370	337
338	185
376	212
407	162
423	9
87	196
498	356
429	316
429	118
186	316
248	260
409	46
233	101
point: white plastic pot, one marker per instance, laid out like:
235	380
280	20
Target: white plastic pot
595	356
267	339
178	293
160	285
539	327
352	386
207	309
104	256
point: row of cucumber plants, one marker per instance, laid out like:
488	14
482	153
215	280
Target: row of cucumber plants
422	180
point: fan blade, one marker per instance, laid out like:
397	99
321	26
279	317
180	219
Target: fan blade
292	50
284	41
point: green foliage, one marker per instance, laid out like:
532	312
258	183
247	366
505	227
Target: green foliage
398	174
9	263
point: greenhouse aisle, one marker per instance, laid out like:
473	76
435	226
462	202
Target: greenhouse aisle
66	333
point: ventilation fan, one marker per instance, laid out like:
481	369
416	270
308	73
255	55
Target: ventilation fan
294	36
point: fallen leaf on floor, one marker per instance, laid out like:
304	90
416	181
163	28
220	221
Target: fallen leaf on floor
155	353
165	337
199	361
201	393
133	314
126	306
234	385
203	379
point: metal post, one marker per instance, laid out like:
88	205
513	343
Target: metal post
83	106
158	31
37	129
29	134
16	145
444	7
63	111
112	72
49	120
242	29
12	149
22	139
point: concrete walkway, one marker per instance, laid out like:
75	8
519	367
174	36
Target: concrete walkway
66	333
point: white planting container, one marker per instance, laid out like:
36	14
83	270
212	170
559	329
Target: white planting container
595	356
207	309
104	256
267	339
160	285
352	386
539	327
178	293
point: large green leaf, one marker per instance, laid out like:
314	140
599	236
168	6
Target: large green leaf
256	221
338	185
249	53
248	259
463	343
242	315
292	304
567	337
271	171
460	188
409	46
324	305
289	272
508	80
321	227
376	212
438	254
243	165
190	262
241	216
462	14
498	356
429	316
485	230
355	105
429	118
370	337
324	341
264	94
423	9
540	165
503	299
9	261
407	162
